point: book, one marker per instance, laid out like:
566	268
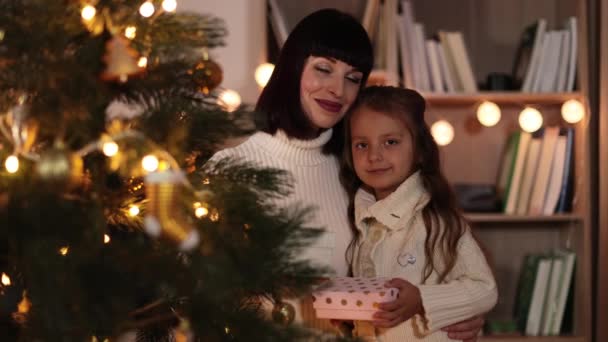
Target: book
556	175
565	286
548	79
390	44
423	60
518	168
564	57
277	22
523	55
564	203
462	62
450	60
436	80
525	288
543	62
530	168
506	167
571	26
541	280
541	25
446	75
405	49
370	15
539	190
551	298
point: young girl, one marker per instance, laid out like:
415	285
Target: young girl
406	224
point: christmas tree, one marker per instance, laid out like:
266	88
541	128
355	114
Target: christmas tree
111	217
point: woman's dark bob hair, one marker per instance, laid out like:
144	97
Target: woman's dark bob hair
324	33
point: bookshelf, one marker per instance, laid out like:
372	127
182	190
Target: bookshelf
474	157
492	30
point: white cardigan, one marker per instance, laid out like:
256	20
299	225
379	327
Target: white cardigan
398	251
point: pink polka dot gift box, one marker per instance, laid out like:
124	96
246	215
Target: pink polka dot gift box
349	298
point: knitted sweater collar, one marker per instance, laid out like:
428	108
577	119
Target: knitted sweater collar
297	151
398	207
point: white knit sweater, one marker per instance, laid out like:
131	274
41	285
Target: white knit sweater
392	245
316	184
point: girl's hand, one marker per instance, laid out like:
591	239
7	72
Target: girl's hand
465	331
408	304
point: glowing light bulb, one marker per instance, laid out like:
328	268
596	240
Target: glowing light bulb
442	132
109	148
64	250
573	111
150	163
230	99
530	119
130	32
133	210
263	73
6	280
142	62
88	12
146	9
106	238
12	164
169	5
488	113
201	212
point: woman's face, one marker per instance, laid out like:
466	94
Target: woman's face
327	90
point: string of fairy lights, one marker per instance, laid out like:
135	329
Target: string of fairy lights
489	114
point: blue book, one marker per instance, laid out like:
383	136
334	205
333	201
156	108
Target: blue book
564	203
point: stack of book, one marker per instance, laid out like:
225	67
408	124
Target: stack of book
535	177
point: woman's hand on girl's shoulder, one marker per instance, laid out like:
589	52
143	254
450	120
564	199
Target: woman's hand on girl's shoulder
407	304
466	331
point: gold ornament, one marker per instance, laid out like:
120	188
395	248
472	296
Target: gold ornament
164	215
207	75
61	168
121	60
283	313
23	130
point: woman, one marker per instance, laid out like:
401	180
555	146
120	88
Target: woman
323	65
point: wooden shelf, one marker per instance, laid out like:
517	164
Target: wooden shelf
532	339
502	218
500	98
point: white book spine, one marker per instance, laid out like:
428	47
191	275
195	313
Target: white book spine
555	179
562	69
572	60
425	81
536	56
518	170
436	81
538	297
446	75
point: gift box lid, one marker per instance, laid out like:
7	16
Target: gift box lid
353	293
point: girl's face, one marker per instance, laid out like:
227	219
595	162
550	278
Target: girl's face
382	150
327	89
